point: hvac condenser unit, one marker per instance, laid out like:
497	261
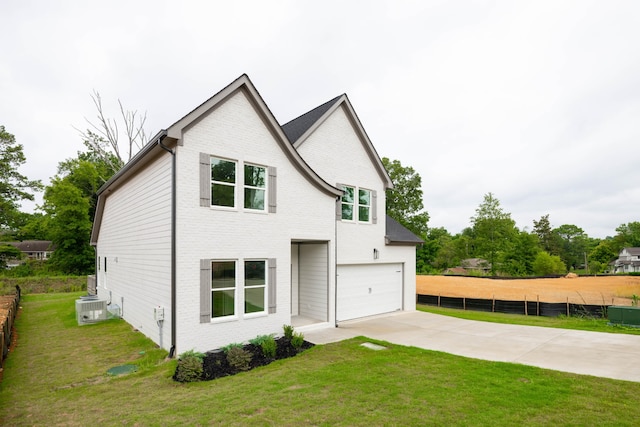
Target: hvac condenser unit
90	310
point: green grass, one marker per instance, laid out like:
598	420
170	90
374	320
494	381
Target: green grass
57	376
563	322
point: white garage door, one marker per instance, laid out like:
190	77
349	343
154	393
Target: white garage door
365	290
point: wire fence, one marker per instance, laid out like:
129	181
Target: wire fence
527	308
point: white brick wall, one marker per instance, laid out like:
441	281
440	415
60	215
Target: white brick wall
338	155
233	130
135	238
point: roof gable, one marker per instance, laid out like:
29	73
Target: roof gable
174	136
298	126
298	131
632	251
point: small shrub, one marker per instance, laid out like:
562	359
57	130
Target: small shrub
189	369
288	331
192	353
238	358
269	347
297	340
634	300
257	341
228	347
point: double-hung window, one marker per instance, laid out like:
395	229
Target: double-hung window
223	288
364	205
255	179
255	284
358	204
348	202
227	285
223	182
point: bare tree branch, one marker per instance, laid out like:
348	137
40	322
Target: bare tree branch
103	137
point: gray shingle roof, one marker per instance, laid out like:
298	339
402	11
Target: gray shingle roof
298	126
397	234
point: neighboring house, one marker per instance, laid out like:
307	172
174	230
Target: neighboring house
31	249
628	261
227	226
470	265
476	265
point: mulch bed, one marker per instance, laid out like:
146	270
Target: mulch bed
215	364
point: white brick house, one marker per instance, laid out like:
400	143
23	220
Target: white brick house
231	226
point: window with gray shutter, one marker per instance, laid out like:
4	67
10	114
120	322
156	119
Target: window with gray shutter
374	207
272	285
272	189
205	290
205	180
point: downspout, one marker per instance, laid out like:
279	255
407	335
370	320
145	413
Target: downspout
335	268
172	350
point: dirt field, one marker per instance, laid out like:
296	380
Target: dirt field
579	290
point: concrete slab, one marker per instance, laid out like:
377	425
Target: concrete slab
581	352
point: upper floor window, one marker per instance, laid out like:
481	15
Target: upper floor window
364	205
223	182
232	184
347	202
255	178
358	204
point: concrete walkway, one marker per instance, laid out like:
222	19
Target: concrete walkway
591	353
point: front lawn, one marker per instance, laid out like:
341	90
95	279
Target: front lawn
57	376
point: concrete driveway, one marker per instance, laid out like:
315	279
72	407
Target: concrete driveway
591	353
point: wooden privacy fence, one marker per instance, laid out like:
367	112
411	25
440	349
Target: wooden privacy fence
8	311
524	307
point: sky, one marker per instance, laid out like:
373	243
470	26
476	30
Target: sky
535	102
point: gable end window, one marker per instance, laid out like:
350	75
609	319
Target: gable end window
255	179
223	182
361	208
230	184
364	205
347	202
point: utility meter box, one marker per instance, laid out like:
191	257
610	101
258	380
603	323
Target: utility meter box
158	313
624	315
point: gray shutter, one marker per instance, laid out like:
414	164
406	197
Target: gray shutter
272	285
339	204
374	206
205	290
272	189
205	180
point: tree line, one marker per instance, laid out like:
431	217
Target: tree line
492	236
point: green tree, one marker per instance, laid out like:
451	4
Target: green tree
519	258
494	230
601	256
69	227
437	253
69	204
404	201
14	187
546	264
573	242
548	240
628	236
